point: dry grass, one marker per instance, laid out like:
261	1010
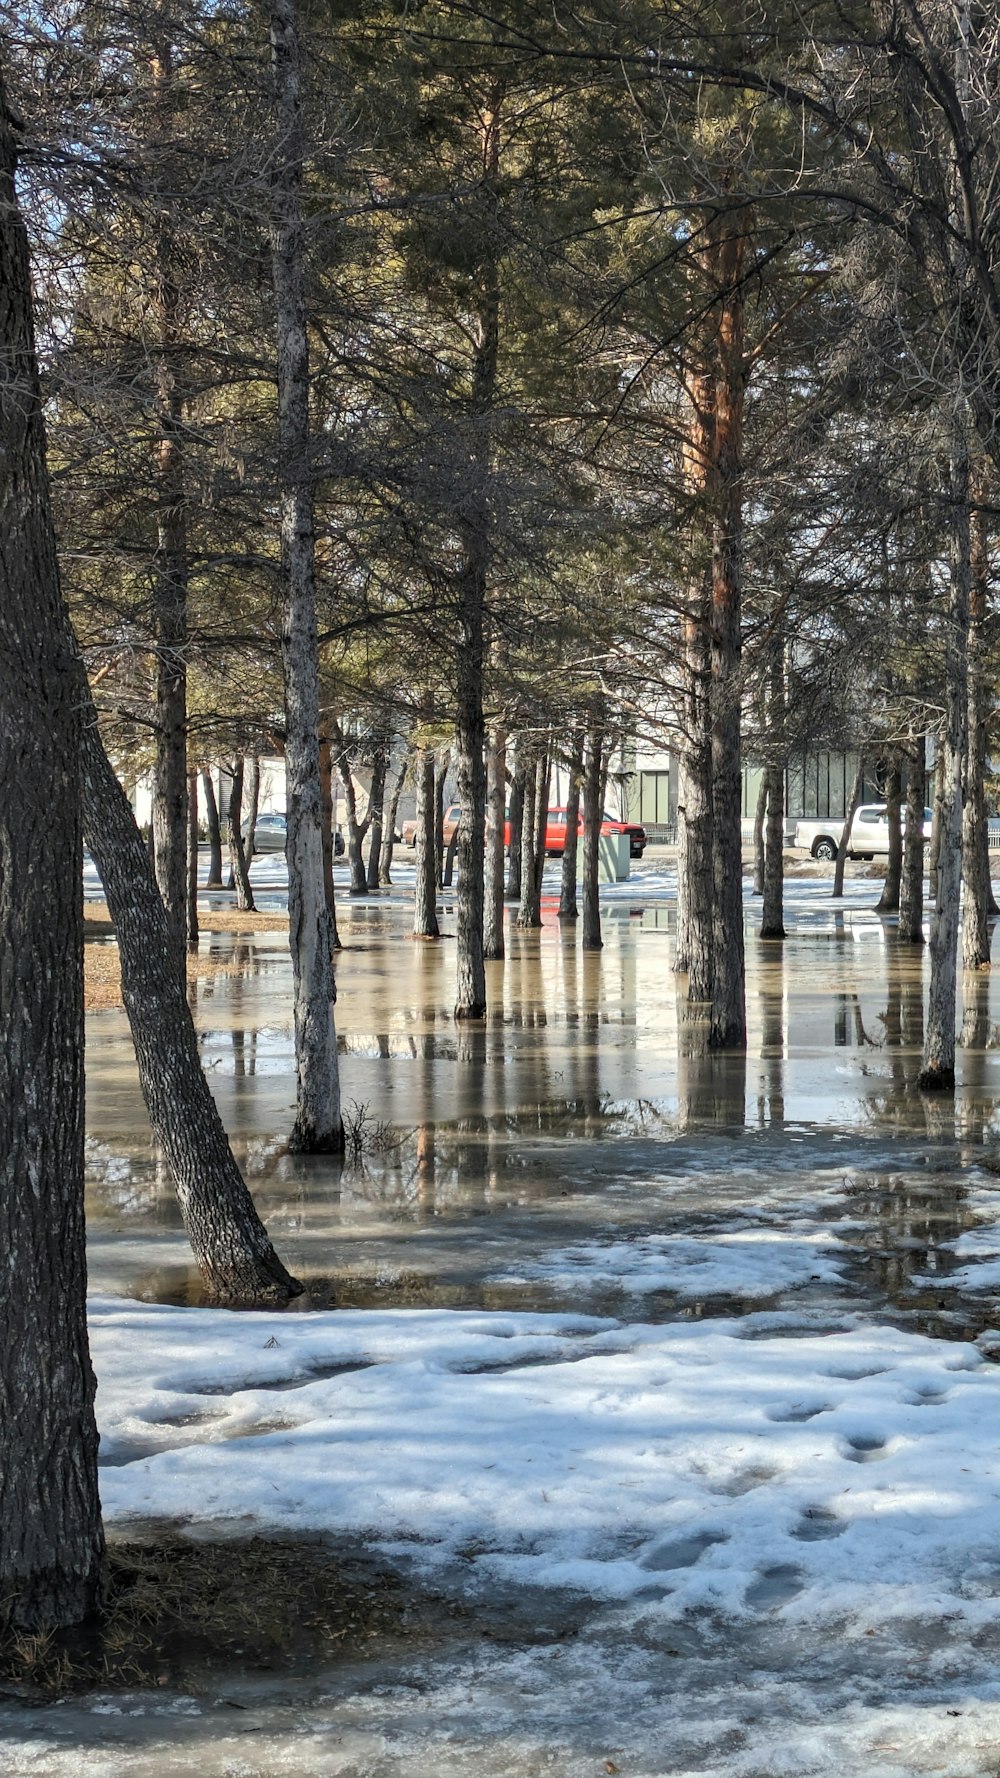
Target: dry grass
175	1611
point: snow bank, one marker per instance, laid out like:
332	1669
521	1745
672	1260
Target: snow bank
746	1467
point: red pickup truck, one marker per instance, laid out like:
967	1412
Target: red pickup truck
555	831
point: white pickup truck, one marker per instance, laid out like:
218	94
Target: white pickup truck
869	837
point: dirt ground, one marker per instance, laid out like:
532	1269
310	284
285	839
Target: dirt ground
102	986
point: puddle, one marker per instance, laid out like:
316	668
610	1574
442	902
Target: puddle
774	1587
680	1552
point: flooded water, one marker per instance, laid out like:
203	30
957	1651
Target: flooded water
580	1153
582	1111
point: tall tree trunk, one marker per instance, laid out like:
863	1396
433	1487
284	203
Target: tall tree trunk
389	837
356	829
51	1543
318	1124
772	919
938	1071
979	904
170	567
234	832
425	920
935	849
214	832
192	861
593	815
477	548
543	780
888	901
853	804
442	767
758	836
567	879
252	787
376	808
528	914
517	789
911	889
496	797
728	1023
326	831
230	1243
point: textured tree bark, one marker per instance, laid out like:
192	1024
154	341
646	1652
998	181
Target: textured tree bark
567	880
911	888
979	904
593	815
728	1023
326	831
772	919
425	920
375	817
51	1543
389	837
694	948
938	1070
854	800
214	832
356	829
318	1125
442	767
513	890
234	836
888	901
192	862
758	836
170	565
230	1243
528	914
496	796
935	847
252	787
543	780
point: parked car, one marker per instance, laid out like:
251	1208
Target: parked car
408	831
271	831
555	831
869	837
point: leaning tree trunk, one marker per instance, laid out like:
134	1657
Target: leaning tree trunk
567	878
593	815
442	767
170	564
425	920
853	803
528	913
318	1124
911	888
230	1243
192	862
214	833
51	1543
938	1070
888	901
496	788
979	904
234	834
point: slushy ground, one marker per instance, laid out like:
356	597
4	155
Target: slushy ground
664	1386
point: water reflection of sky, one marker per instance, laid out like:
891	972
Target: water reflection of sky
584	1101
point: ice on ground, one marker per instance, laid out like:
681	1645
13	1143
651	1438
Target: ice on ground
728	1467
747	1263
